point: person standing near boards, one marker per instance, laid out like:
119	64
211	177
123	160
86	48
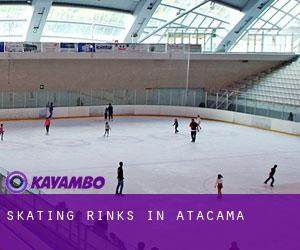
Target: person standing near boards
106	113
110	112
51	107
47	125
271	176
120	177
2	131
194	127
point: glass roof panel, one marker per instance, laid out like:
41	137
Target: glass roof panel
91	24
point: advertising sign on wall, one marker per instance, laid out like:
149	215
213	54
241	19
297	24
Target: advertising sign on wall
32	47
104	47
86	47
13	47
68	47
50	47
157	48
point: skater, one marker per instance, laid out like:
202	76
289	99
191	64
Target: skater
194	127
105	113
1	131
291	117
271	176
176	124
51	107
219	184
47	125
110	112
120	177
107	128
198	120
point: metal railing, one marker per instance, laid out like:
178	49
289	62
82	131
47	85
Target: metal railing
269	106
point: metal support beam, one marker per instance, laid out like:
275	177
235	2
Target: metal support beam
143	13
173	20
38	19
252	10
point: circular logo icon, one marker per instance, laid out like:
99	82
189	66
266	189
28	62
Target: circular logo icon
16	182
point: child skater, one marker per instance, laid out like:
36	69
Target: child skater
1	131
105	113
176	124
107	128
198	120
219	184
47	125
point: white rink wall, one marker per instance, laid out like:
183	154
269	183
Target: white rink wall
213	114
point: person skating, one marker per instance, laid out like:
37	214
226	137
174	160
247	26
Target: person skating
176	125
198	120
219	184
194	127
2	131
110	112
107	129
120	177
271	176
47	125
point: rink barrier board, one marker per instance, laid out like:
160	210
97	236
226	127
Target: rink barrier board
253	121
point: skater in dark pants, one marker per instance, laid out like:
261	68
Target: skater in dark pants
1	131
110	112
105	113
194	127
51	107
176	124
271	176
47	125
120	179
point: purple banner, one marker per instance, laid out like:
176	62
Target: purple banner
164	222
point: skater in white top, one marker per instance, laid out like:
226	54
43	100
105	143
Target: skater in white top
107	129
198	120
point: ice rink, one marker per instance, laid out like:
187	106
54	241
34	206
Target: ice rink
155	159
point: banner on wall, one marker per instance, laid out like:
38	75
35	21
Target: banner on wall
176	48
13	47
50	47
122	47
1	47
86	47
157	48
138	47
68	47
32	47
104	47
193	48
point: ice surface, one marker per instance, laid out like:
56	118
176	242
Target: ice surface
155	159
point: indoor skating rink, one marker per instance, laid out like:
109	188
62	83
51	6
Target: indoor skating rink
156	161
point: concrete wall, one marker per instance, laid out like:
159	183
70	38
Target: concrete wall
219	115
79	72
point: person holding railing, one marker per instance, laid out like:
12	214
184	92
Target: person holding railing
291	117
